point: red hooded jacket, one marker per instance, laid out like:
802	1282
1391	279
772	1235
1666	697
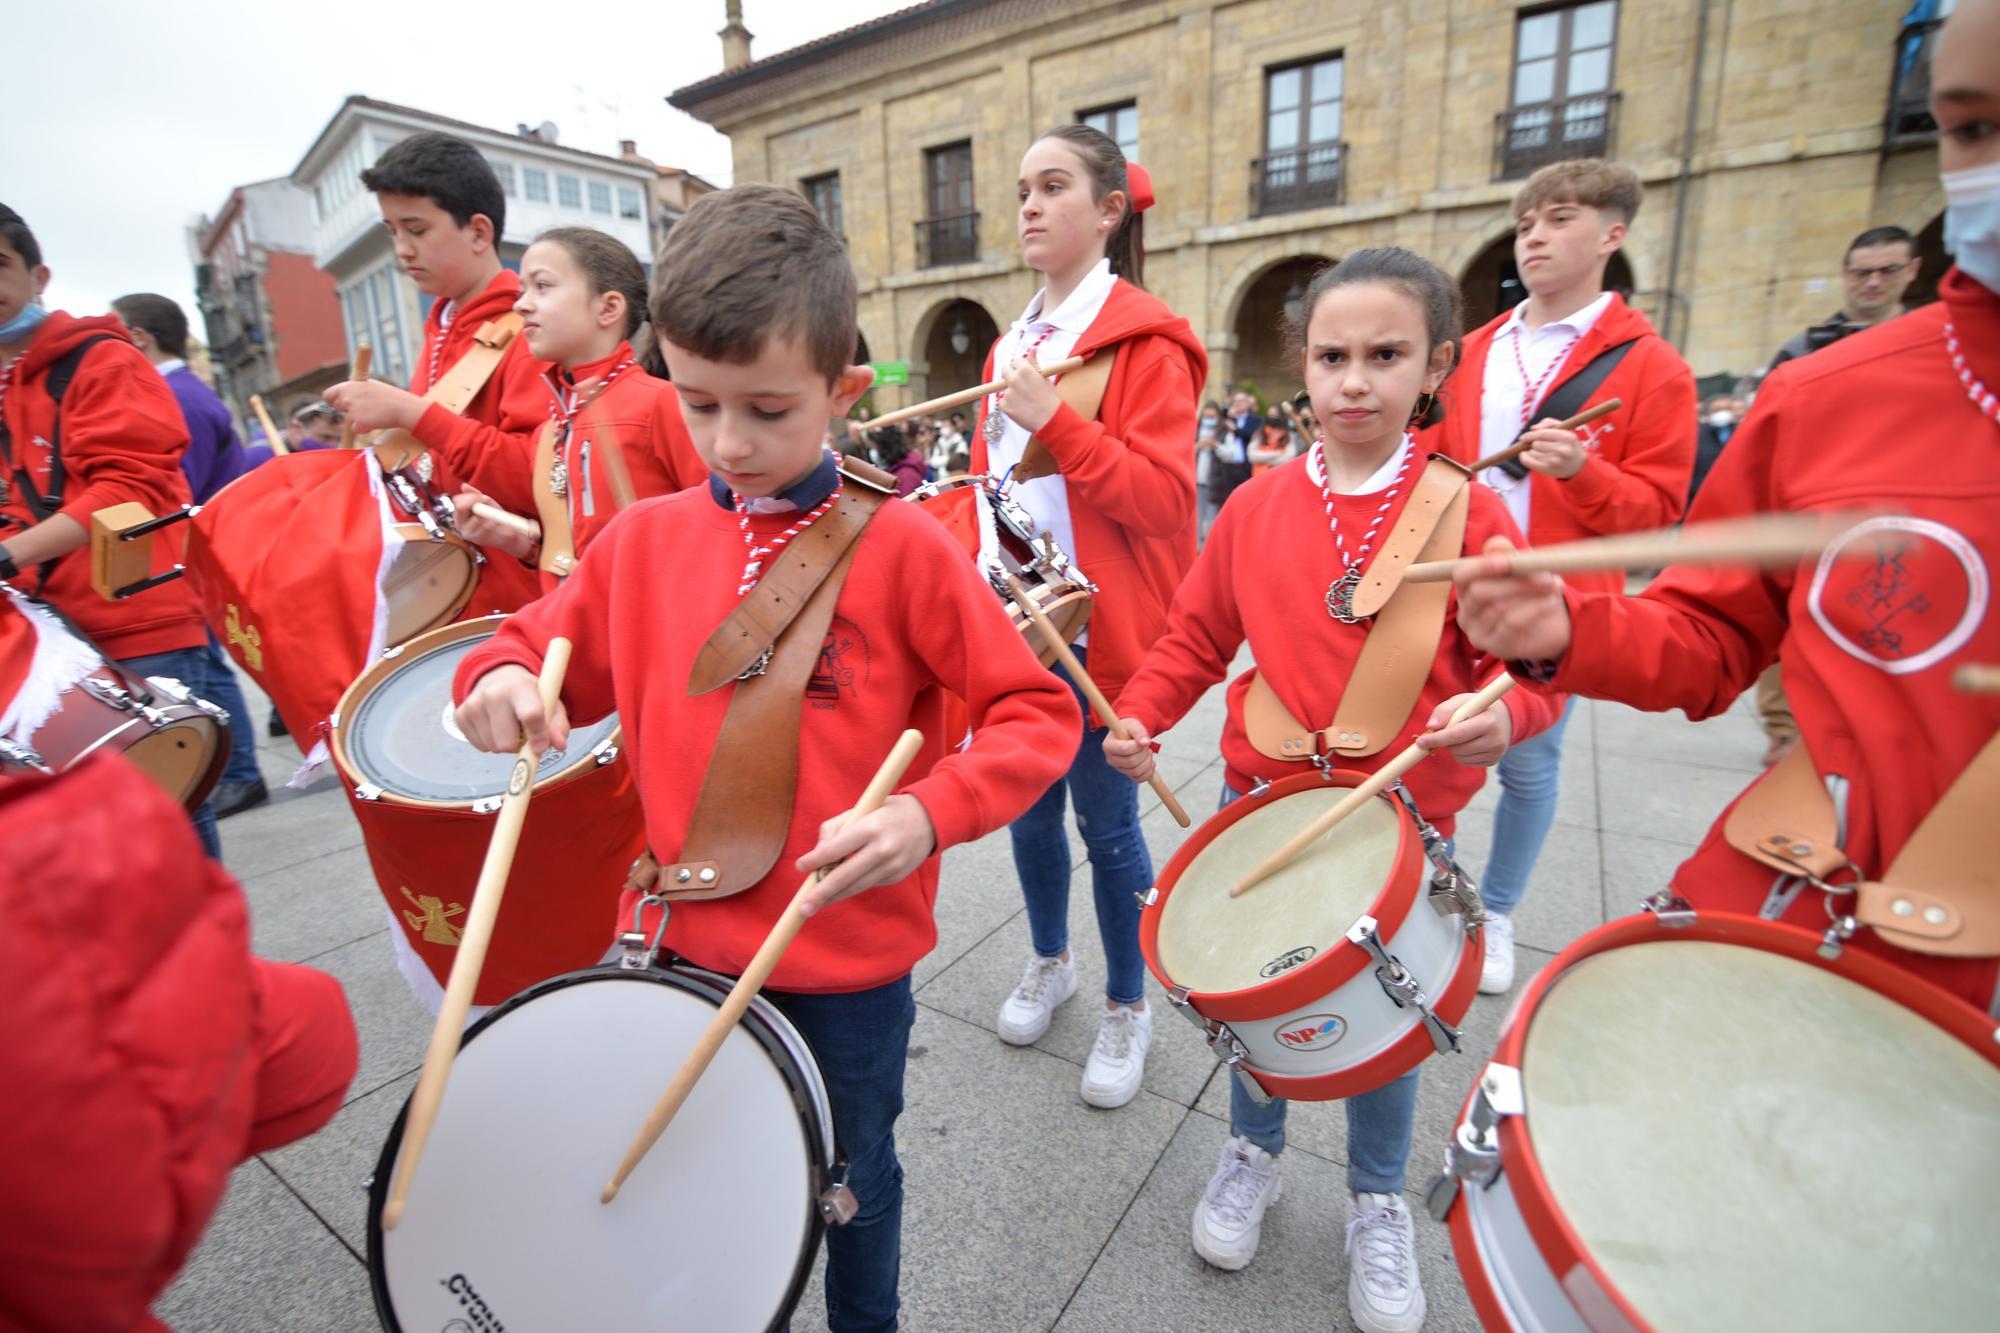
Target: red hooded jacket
122	440
1130	475
1637	460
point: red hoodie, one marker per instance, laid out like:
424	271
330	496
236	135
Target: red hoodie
1637	460
122	440
1879	420
1263	576
1130	475
887	660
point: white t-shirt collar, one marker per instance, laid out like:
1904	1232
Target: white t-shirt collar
1077	312
170	365
1576	324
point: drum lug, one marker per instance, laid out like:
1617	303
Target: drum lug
1400	986
367	791
106	692
486	805
1454	894
22	757
1251	1087
1148	898
1474	1152
1671	909
837	1204
1177	996
1258	788
606	753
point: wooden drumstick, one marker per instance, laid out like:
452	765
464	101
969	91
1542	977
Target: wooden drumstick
1583	418
754	976
1098	703
964	396
471	957
1768	541
364	360
527	527
1378	782
1977	678
278	443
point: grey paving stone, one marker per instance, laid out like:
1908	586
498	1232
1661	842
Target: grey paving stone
1564	897
978	893
288	832
1732	740
393	1025
1576	785
303	910
1636	868
330	1170
267	1264
1657	798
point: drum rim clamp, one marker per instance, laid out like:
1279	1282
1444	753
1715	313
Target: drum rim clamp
1473	1155
1400	984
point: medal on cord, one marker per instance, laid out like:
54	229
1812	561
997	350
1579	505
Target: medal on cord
1340	593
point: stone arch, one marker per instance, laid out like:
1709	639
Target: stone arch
1263	360
1491	284
950	342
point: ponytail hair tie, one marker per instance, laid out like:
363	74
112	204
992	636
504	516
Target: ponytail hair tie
1140	182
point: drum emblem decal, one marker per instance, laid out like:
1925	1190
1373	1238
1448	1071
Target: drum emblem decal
1900	593
433	918
249	639
1313	1032
517	781
1286	961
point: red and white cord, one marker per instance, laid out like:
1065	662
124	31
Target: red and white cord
1982	397
754	553
1316	465
1531	392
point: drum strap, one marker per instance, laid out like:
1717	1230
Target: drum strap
1941	895
744	811
1083	389
558	550
1402	640
455	389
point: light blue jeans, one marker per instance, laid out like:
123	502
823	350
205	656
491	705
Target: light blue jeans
1529	776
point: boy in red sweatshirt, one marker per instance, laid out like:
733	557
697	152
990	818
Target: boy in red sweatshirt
116	436
1901	418
760	329
1625	472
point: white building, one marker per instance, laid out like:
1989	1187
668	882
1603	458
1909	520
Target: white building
546	185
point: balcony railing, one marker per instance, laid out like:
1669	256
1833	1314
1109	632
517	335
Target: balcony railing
948	240
1526	138
1909	117
1311	177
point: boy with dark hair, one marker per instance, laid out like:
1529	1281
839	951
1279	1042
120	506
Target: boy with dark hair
761	329
86	423
1570	344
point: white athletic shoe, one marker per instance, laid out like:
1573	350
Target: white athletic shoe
1496	973
1024	1015
1230	1217
1383	1293
1118	1057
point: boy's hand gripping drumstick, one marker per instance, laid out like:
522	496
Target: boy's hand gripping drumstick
527	527
1098	702
478	933
1519	447
1378	782
364	360
754	976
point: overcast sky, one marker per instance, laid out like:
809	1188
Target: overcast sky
128	118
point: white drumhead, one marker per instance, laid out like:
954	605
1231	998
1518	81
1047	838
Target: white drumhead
1743	1140
709	1231
1211	942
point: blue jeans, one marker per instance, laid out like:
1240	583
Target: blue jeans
218	686
1107	815
1379	1123
861	1040
186	666
1529	774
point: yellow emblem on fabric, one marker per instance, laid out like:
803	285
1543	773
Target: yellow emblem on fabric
249	639
433	918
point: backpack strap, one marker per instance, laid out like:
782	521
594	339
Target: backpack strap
55	384
1567	399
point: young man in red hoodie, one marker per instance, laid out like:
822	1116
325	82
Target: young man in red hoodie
1903	419
755	302
1625	472
117	436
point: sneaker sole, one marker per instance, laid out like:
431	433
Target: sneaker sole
1232	1263
1408	1323
1110	1099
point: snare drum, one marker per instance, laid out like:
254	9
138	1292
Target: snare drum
1338	973
426	800
716	1229
966	503
1695	1121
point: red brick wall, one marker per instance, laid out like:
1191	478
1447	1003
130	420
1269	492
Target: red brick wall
306	312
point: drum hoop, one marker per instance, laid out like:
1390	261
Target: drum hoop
680	976
385	666
1338	964
171	712
1561	1247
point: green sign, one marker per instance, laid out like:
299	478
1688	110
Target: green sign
890	372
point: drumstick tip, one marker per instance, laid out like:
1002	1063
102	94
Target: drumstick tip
610	1193
392	1213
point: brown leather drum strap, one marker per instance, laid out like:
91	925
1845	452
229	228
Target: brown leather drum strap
1083	389
558	555
455	389
1786	821
1437	486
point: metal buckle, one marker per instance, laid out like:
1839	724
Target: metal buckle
837	1204
635	952
758	667
1474	1152
1672	910
1400	986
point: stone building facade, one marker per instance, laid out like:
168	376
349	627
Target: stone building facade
1281	134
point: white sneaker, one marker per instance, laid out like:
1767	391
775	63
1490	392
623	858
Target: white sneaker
1118	1057
1024	1015
1496	973
1383	1293
1230	1217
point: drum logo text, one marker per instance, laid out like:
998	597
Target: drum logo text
476	1310
249	639
1314	1032
1285	962
433	918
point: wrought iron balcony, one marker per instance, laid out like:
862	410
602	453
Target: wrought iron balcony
1909	119
948	240
1527	138
1311	177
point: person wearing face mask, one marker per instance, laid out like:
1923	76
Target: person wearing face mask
1718	423
1878	268
1898	765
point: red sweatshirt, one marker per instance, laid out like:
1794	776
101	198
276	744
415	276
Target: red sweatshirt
1637	460
886	663
1263	576
1130	475
122	439
1868	644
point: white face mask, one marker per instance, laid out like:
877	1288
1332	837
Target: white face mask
1721	418
1972	222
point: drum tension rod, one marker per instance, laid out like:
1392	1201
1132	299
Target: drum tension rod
1400	986
1474	1151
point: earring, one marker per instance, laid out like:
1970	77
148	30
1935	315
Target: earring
1423	407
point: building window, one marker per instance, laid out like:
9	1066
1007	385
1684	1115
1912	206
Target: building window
630	206
535	184
600	198
823	193
505	171
1563	105
1910	119
569	192
1304	162
950	235
1120	124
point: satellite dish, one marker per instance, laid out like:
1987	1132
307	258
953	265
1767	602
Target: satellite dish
546	131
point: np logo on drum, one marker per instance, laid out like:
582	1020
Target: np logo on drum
1286	961
480	1316
1314	1032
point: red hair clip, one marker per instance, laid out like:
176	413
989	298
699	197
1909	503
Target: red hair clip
1141	191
